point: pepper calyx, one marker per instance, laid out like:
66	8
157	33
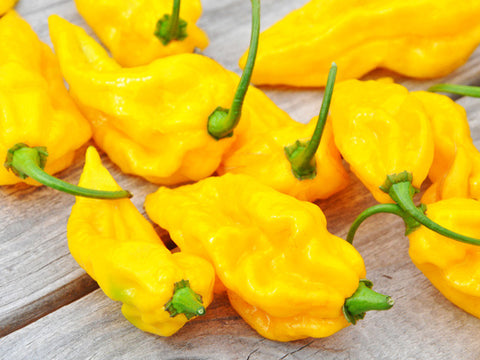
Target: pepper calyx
301	170
216	124
365	299
185	301
164	33
404	176
40	158
171	27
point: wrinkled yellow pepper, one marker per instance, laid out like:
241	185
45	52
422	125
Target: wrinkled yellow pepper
263	157
120	249
297	159
127	28
455	171
381	129
412	37
35	107
452	267
285	274
152	120
6	5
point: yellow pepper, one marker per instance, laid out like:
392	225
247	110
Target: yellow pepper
412	37
285	274
381	129
38	119
6	5
384	133
450	266
455	171
127	28
152	120
35	107
119	248
296	159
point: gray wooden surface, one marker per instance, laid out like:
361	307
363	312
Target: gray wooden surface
49	308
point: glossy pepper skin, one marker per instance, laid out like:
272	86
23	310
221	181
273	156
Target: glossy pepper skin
381	129
362	35
120	249
452	267
127	28
455	171
263	157
152	120
35	107
285	274
6	5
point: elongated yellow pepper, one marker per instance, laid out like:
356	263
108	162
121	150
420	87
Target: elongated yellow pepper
127	28
416	38
120	249
285	274
452	267
35	107
152	120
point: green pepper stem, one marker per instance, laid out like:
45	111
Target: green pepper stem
365	299
25	162
185	301
302	155
410	223
401	194
171	27
464	90
222	121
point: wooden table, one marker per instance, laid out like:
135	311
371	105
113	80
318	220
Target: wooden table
50	309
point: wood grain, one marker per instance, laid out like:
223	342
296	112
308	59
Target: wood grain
50	309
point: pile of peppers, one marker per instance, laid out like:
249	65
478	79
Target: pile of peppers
237	175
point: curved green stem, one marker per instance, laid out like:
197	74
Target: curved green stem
222	121
171	27
464	90
25	162
410	223
185	301
302	154
401	190
400	194
365	299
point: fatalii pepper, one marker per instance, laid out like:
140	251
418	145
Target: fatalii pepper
285	274
138	32
119	248
152	120
363	35
288	161
384	133
455	171
37	116
450	266
6	5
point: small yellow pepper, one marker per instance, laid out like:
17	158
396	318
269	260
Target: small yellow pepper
6	5
384	133
285	274
412	37
450	266
296	159
381	129
119	248
38	119
152	120
455	171
127	28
